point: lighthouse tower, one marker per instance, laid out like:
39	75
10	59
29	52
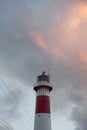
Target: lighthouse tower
43	112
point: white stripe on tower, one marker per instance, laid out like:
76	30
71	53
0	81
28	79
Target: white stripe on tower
42	113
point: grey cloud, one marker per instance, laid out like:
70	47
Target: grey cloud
9	101
80	116
4	128
15	39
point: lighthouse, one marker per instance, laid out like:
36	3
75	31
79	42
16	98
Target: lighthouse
43	111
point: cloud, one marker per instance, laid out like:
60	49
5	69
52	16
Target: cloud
72	37
51	49
38	35
10	98
4	126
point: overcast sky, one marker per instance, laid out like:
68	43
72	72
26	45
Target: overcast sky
36	35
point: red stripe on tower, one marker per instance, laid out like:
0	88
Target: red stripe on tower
43	104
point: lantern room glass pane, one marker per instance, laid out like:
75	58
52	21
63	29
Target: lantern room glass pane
43	78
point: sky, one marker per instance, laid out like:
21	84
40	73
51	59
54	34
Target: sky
37	35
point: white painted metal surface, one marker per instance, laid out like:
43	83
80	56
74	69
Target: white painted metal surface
42	122
43	91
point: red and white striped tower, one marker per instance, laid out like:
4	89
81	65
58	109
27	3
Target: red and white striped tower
43	112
